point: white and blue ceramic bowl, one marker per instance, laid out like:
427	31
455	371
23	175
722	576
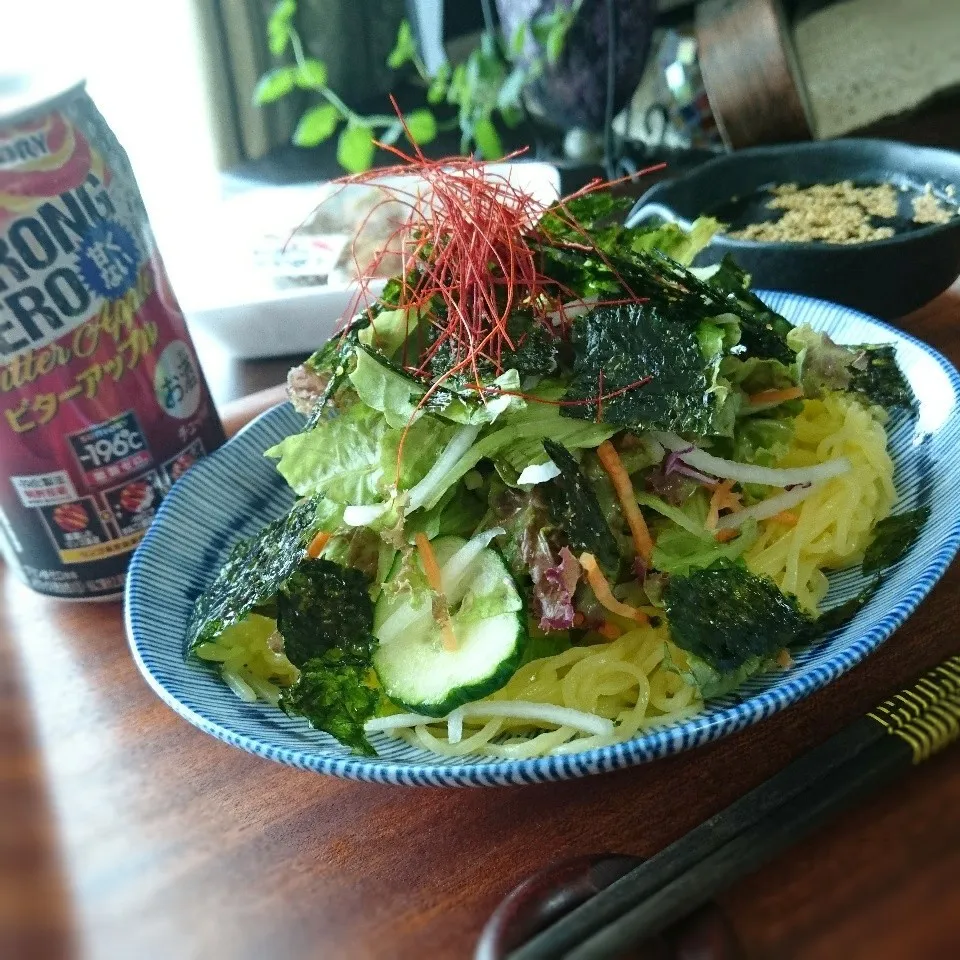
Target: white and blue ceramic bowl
236	491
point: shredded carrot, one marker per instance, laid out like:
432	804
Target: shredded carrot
611	462
432	571
317	544
765	397
784	659
723	536
723	498
787	517
604	594
609	631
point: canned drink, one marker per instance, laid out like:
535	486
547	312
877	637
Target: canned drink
102	401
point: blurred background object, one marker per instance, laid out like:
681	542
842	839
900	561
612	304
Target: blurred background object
689	81
750	72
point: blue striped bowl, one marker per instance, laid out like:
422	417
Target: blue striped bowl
234	492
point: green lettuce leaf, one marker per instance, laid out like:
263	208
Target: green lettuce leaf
823	365
356	547
763	441
389	330
536	422
332	363
691	517
541	644
525	451
763	332
677	551
458	514
754	374
460	409
600	215
352	458
675	242
384	388
340	458
712	683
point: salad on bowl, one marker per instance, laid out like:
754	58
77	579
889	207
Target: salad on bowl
556	487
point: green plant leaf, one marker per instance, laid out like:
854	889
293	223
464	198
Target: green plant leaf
275	84
278	26
316	125
439	84
487	139
421	126
458	83
518	39
355	148
540	28
404	50
512	116
312	74
556	38
488	44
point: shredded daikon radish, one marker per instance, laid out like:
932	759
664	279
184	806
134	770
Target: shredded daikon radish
748	473
541	713
768	508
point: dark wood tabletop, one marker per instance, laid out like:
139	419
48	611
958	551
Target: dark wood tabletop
125	832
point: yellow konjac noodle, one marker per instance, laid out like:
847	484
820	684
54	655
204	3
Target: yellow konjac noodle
834	523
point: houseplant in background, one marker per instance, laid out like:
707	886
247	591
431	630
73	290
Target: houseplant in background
549	60
594	75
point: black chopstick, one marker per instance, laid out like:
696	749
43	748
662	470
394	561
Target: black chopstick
903	730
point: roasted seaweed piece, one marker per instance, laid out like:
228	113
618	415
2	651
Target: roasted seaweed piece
574	508
255	572
893	537
627	344
726	615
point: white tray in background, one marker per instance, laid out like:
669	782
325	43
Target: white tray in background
237	297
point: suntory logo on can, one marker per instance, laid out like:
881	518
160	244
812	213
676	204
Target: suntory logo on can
19	150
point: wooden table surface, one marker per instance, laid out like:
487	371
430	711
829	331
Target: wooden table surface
125	832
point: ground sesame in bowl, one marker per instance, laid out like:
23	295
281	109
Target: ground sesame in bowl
837	213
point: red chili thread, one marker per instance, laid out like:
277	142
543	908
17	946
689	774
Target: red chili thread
468	247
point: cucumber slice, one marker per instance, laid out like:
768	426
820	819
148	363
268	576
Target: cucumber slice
487	614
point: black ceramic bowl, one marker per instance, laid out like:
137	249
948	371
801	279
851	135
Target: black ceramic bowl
885	278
